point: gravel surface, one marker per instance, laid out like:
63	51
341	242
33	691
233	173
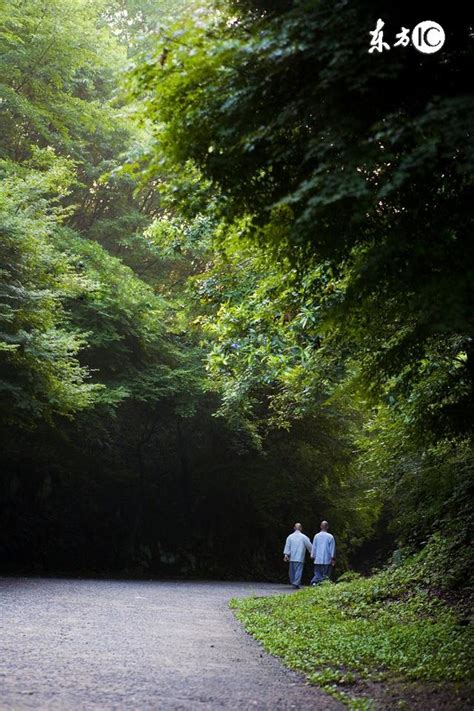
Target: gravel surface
90	644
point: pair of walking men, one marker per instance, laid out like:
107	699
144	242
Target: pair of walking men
322	551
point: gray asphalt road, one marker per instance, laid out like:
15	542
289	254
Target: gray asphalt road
88	644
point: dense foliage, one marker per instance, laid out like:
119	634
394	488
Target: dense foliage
236	289
112	457
341	183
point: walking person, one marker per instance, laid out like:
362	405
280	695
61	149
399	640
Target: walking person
294	552
324	554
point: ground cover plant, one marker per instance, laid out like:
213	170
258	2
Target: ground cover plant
360	636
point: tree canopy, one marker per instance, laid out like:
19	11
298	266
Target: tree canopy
236	285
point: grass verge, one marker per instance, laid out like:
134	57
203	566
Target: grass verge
392	627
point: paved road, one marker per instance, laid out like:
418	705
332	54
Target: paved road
88	644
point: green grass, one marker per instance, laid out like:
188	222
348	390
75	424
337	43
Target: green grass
388	626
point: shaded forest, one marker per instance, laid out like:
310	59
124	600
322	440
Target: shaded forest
236	285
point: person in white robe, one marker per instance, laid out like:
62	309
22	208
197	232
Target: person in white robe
294	553
324	554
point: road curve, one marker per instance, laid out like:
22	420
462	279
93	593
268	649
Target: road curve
119	644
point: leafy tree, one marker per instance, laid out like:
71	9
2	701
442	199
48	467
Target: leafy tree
283	242
41	374
367	162
57	68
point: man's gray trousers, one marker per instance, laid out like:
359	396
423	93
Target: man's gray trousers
321	572
296	572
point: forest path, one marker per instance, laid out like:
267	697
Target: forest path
117	644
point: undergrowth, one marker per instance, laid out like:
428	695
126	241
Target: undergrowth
399	623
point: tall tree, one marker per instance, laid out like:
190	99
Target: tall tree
366	159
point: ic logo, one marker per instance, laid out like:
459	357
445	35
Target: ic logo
428	37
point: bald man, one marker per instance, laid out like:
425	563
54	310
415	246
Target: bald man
294	552
323	554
